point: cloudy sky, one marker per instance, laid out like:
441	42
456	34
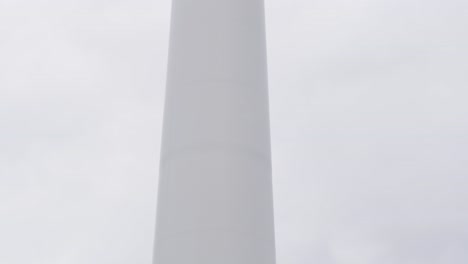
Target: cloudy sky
369	130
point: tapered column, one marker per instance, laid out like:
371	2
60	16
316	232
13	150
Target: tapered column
215	193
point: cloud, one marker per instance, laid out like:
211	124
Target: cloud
80	111
368	124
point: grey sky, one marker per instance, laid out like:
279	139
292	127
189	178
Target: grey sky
368	114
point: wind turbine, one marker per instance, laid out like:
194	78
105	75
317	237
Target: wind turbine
215	201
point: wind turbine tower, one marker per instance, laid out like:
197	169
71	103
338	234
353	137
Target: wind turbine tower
215	201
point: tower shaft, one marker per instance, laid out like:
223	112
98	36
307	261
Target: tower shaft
215	192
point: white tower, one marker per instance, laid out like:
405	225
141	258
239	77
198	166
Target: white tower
215	193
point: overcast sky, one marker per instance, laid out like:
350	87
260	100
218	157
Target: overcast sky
369	126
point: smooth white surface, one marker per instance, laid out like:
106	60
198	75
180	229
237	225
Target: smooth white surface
215	193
